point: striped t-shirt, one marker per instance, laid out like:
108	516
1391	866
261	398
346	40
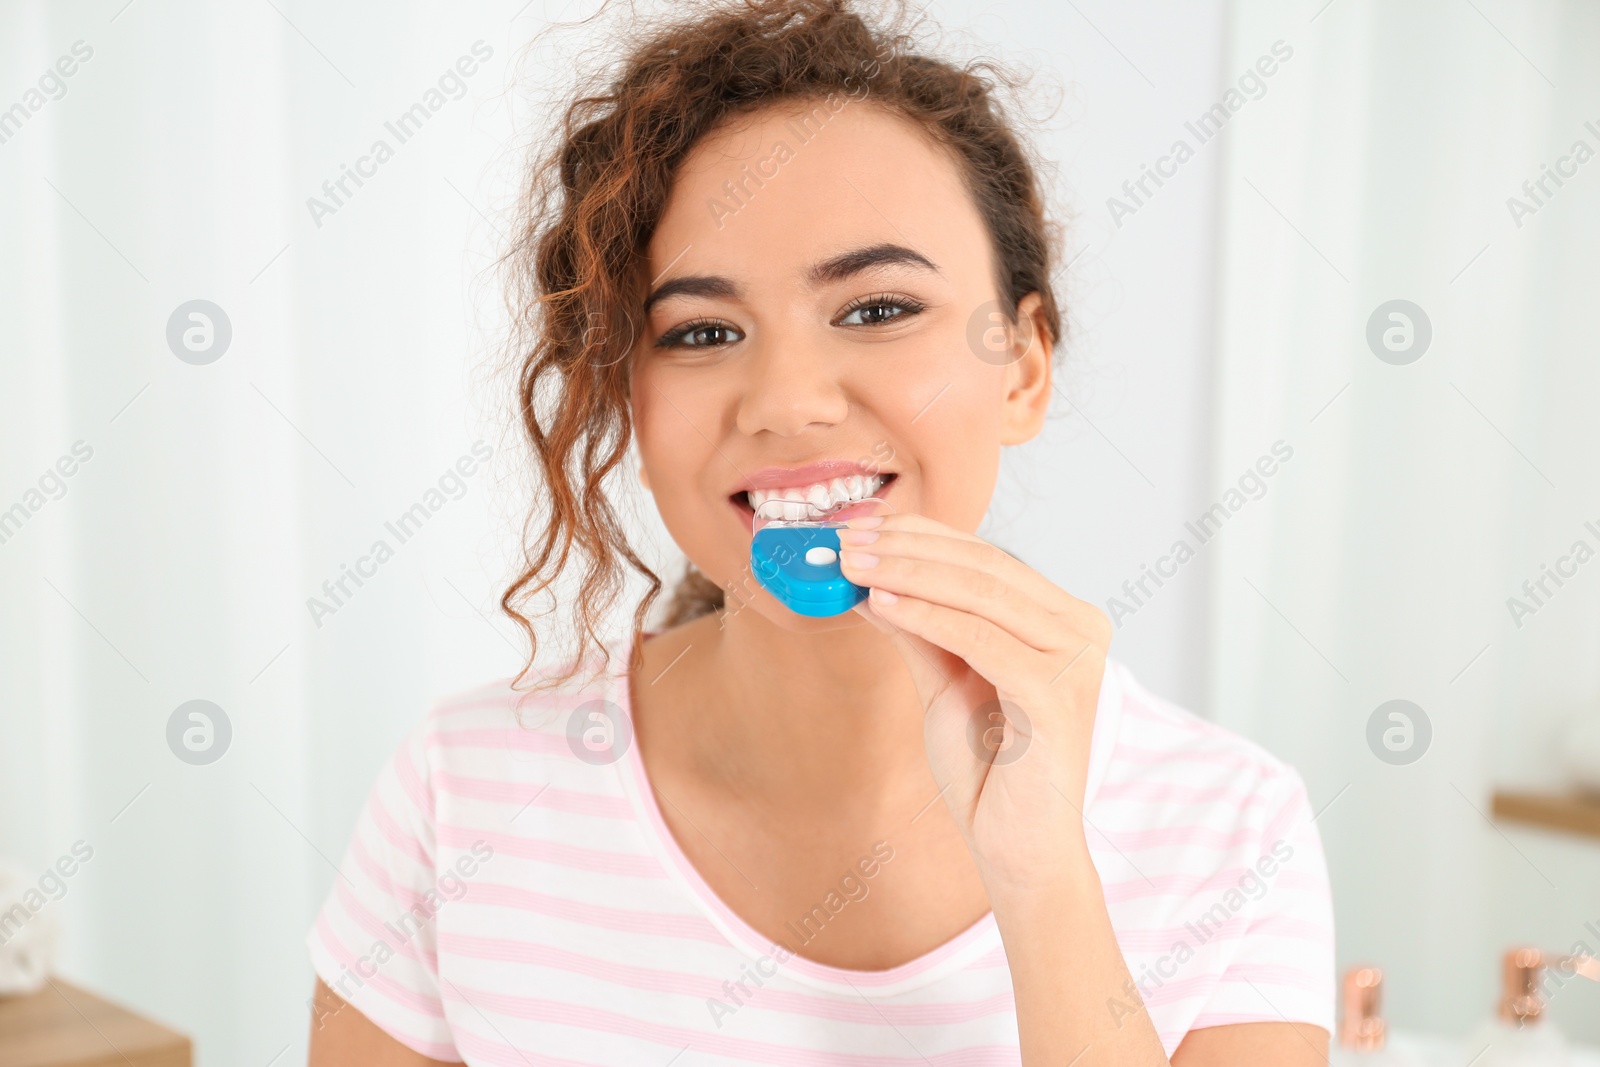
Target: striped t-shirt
511	895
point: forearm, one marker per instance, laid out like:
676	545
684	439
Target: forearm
1075	998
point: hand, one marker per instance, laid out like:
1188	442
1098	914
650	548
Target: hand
1008	667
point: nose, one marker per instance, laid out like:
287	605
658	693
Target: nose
790	387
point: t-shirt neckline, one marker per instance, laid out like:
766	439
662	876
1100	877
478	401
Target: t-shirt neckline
970	944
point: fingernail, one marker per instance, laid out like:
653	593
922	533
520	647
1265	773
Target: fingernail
859	560
864	522
858	537
883	596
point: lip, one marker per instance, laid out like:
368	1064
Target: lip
784	477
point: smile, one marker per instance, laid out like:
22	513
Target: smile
811	500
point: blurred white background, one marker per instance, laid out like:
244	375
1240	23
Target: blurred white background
1216	314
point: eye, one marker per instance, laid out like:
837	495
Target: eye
878	309
701	333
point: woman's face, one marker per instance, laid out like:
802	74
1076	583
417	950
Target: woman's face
823	297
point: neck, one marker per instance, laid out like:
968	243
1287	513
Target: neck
817	720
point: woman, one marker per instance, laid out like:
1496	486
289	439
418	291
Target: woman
779	253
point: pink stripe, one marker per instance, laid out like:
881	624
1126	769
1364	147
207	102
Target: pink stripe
1138	709
534	796
375	871
499	695
674	1038
1293	929
498	688
398	838
1177	990
1148	792
1213	757
399	994
660	924
405	897
1199	836
625	864
1293	816
374	927
485	1050
1164	939
1271	974
1301	880
411	782
700	987
1185	887
501	740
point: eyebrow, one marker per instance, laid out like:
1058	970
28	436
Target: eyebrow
834	269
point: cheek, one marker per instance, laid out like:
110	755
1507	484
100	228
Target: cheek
662	428
681	422
956	444
678	459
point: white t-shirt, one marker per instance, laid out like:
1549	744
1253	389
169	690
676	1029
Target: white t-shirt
511	895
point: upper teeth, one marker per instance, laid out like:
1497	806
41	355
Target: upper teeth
801	502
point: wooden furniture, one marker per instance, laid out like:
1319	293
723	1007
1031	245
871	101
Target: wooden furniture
63	1026
1572	813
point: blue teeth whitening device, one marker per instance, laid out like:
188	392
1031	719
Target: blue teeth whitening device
797	560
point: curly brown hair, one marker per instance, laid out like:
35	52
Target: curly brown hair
577	264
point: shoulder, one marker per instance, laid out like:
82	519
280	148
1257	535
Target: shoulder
482	748
1187	812
527	714
470	717
1173	760
440	822
1213	871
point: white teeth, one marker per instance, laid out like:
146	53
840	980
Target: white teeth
801	502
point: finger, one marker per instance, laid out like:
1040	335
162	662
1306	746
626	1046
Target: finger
908	520
919	537
987	648
964	588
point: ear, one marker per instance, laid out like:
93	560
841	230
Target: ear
644	478
1028	375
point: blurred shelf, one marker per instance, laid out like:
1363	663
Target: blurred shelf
63	1026
1571	813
